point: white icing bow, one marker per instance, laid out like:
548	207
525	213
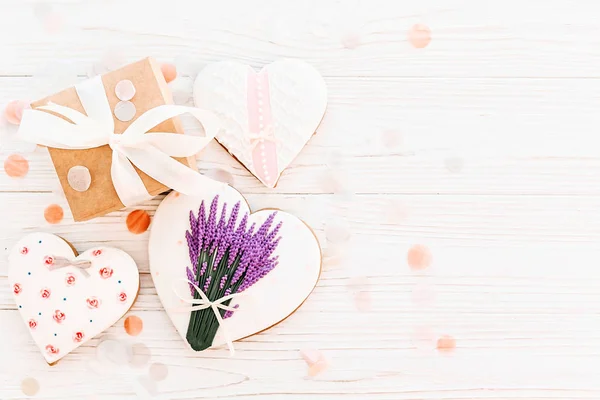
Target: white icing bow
150	152
203	303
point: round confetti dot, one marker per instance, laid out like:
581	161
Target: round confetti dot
419	36
14	111
16	166
337	231
138	221
79	178
113	351
30	386
158	372
220	175
317	361
125	111
419	257
395	212
391	139
53	214
125	90
351	40
423	338
423	295
42	9
446	343
362	301
133	325
141	355
53	23
169	71
454	164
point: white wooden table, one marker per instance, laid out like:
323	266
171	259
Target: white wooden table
481	146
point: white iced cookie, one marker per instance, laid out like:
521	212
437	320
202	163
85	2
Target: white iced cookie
269	116
64	299
265	303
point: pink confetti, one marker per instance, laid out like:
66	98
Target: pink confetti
363	302
316	361
351	40
14	111
220	175
391	139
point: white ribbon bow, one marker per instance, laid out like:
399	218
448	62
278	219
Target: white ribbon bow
204	303
150	152
63	262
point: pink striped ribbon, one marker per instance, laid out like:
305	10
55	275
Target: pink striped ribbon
260	124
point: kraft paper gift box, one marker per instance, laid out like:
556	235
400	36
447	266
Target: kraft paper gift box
151	90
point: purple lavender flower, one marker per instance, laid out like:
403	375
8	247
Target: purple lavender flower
191	278
211	226
237	240
220	230
203	269
223	281
201	223
192	246
225	241
250	256
207	284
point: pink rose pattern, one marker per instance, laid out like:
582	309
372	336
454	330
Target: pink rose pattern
59	316
78	337
93	303
106	272
48	260
45	293
52	350
70	280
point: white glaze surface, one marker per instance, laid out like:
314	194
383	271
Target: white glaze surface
264	304
298	101
43	291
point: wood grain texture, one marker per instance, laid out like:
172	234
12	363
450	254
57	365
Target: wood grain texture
482	147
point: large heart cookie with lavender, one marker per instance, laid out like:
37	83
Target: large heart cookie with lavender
268	116
223	273
65	299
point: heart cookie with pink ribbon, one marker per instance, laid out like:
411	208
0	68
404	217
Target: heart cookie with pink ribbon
268	116
64	299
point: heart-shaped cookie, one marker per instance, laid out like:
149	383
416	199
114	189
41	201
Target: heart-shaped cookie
275	293
269	116
64	299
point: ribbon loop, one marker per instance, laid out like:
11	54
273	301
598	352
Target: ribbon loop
63	262
149	152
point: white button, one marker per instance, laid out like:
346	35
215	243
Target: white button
125	111
79	178
125	90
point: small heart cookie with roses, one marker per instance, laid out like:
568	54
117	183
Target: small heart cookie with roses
267	116
65	299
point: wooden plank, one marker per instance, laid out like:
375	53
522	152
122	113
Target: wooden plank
469	38
455	136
